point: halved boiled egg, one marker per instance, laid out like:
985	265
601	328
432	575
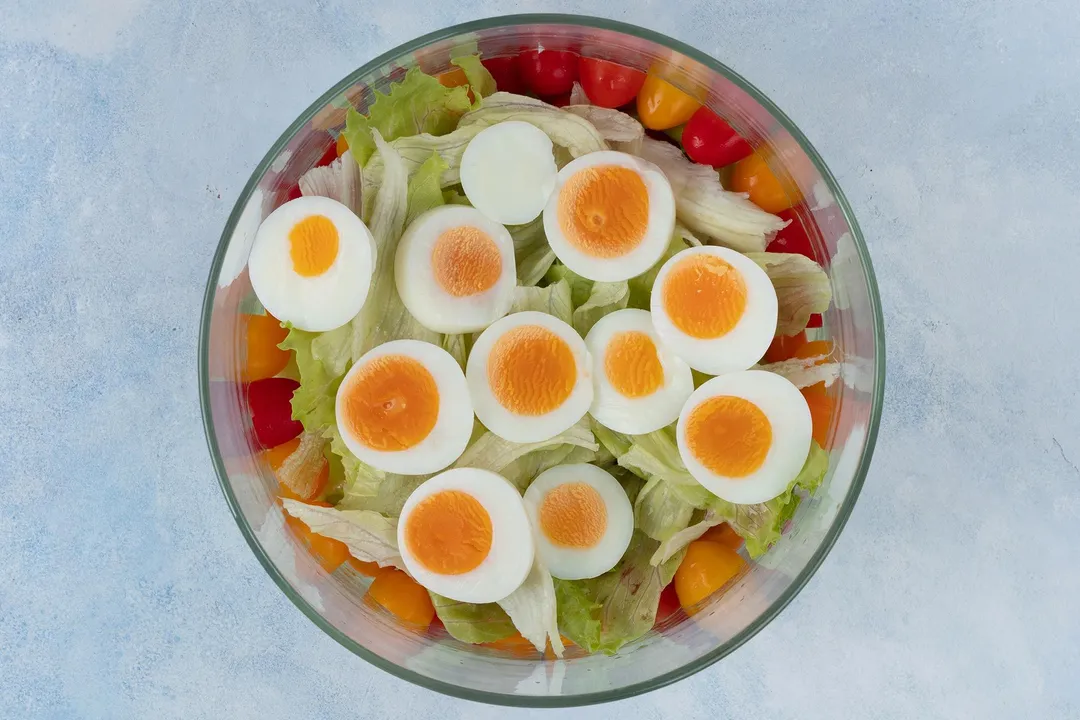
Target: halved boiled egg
640	384
404	408
583	520
455	269
508	171
715	308
529	377
745	435
611	215
465	534
311	263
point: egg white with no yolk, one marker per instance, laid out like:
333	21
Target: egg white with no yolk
508	172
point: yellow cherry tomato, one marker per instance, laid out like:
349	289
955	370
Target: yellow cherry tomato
264	358
342	144
773	194
403	596
706	568
661	105
329	552
724	535
364	568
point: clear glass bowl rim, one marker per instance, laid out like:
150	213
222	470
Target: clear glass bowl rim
831	535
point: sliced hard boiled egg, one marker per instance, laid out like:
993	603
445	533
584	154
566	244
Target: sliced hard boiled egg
529	377
311	263
745	435
640	384
508	171
464	534
404	408
715	308
611	216
455	269
583	520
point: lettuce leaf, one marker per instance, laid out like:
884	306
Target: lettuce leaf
425	188
370	537
565	129
480	80
703	206
659	511
553	300
684	537
804	372
532	610
521	462
418	104
415	150
624	132
580	288
472	623
604	298
532	252
606	612
313	401
802	288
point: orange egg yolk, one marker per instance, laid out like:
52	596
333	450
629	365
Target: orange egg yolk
632	364
604	211
573	515
449	532
704	296
391	404
729	435
313	245
466	261
531	370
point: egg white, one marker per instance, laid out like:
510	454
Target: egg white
741	347
636	415
661	222
574	563
508	171
528	428
789	416
453	424
322	302
512	544
429	303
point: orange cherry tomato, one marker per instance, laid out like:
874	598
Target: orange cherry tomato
821	411
342	144
369	569
813	349
453	78
661	105
403	596
276	456
264	358
329	552
724	535
784	347
773	194
707	567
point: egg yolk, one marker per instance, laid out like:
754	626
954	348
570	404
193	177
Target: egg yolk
449	532
313	245
632	364
704	296
729	435
531	370
573	515
604	211
466	261
391	404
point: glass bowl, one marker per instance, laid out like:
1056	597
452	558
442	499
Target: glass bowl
680	645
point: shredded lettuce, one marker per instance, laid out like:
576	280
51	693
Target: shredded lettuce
703	206
425	188
554	300
804	372
604	298
322	181
370	537
565	129
618	607
521	462
418	104
472	623
532	252
622	131
416	149
480	80
458	346
684	537
532	610
802	288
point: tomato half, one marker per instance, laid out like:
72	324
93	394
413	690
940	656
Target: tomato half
270	401
609	84
708	140
549	72
661	105
507	74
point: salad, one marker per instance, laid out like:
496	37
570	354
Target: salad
528	364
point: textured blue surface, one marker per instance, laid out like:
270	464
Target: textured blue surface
127	129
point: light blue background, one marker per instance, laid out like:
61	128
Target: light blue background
127	129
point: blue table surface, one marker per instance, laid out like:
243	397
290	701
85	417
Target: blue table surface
127	129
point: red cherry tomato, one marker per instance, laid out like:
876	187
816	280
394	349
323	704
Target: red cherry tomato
815	321
549	72
329	156
708	140
793	238
271	410
507	74
561	100
609	84
669	603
